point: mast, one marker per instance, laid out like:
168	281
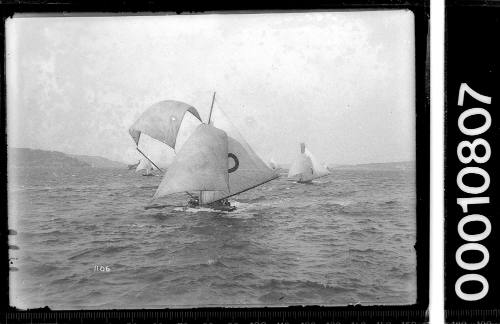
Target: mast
200	197
211	107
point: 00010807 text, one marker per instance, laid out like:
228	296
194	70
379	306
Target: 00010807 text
473	157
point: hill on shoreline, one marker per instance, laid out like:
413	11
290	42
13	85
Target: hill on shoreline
404	165
32	158
98	161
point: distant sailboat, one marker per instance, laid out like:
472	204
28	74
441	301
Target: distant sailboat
306	168
213	164
144	164
133	166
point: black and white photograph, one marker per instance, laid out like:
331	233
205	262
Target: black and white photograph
236	159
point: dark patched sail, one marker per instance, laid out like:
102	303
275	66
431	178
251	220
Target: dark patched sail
200	165
246	169
162	121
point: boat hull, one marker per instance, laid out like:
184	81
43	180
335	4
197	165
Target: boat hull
214	208
217	207
307	182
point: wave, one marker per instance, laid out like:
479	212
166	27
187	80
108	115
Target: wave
252	200
100	251
293	291
22	188
40	269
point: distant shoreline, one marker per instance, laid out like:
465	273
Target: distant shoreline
44	158
26	157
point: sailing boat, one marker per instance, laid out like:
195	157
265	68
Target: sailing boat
133	166
213	164
144	164
306	168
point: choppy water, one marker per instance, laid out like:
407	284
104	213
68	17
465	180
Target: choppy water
346	238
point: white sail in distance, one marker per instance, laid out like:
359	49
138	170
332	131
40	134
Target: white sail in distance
306	167
302	168
246	169
201	164
318	168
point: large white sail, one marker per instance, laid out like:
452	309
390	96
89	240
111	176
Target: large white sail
162	121
246	170
201	164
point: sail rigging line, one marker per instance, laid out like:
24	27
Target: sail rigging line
237	193
149	160
211	108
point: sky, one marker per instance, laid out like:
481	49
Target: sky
340	81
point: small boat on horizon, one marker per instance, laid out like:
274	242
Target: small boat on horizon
306	168
133	166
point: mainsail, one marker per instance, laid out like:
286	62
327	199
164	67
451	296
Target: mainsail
201	164
246	170
306	167
162	121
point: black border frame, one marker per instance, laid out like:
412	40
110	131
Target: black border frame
293	314
471	58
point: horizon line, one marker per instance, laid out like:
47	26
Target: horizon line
282	163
